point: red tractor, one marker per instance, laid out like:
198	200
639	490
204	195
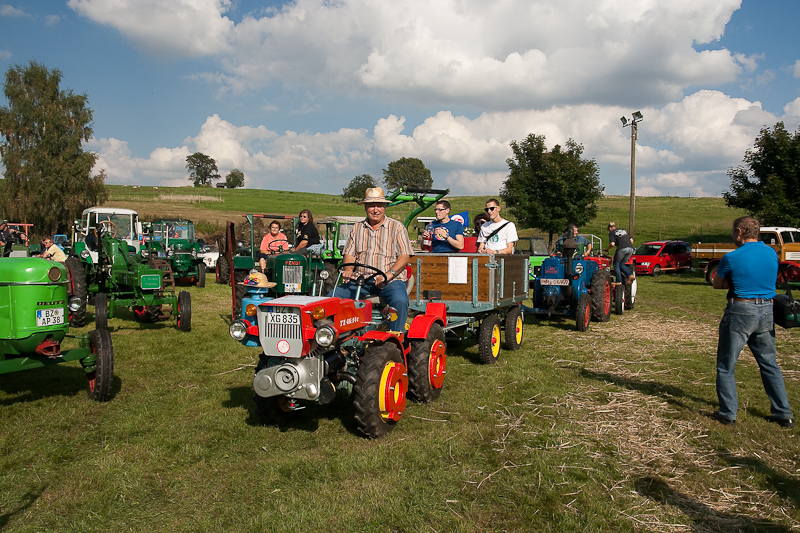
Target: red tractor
314	345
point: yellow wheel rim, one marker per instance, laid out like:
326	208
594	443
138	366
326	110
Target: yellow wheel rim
495	341
518	332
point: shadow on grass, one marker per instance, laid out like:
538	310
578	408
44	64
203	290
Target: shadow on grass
56	380
786	486
26	501
670	393
703	517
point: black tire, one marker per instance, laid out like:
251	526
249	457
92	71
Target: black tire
619	299
427	365
184	311
657	270
77	288
583	314
514	328
329	284
201	275
241	291
382	364
601	296
101	310
489	340
223	275
630	295
100	380
712	273
152	313
271	411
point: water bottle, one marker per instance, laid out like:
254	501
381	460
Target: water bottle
426	238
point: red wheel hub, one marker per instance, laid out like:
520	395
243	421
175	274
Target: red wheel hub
394	385
437	364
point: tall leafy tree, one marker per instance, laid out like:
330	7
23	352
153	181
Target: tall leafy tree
549	189
358	186
234	179
407	172
768	185
202	169
48	175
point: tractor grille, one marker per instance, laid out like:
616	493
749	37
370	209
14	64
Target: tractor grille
278	338
292	274
282	331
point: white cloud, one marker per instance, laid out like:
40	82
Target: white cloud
52	20
11	11
5	54
765	77
750	63
495	55
797	69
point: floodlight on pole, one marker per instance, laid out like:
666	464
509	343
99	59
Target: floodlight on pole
636	117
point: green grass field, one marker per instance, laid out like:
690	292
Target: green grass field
598	431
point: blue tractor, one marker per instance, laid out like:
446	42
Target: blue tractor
570	285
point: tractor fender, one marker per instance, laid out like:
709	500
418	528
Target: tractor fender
421	325
382	337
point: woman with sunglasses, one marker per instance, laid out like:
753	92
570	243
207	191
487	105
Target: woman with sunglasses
498	235
307	235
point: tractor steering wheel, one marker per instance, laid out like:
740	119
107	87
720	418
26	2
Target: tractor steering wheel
363	280
278	249
108	222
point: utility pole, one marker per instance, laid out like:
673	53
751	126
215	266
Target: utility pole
634	124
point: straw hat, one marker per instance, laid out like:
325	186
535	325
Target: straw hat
259	280
374	196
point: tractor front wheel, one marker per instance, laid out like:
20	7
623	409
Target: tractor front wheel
77	288
489	340
619	299
201	275
184	311
427	365
515	327
583	314
630	295
601	296
101	310
99	380
380	390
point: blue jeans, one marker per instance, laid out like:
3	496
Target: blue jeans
620	258
750	323
393	294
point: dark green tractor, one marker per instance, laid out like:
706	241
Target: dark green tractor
171	246
34	307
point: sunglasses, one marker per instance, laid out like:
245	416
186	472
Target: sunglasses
437	209
490	209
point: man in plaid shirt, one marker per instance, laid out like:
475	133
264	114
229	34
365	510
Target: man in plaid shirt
383	243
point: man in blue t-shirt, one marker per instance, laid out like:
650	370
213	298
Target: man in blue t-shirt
749	274
584	248
446	235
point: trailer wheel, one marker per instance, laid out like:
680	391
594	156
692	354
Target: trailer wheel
583	314
99	380
77	287
601	296
630	295
272	411
222	269
380	390
201	275
427	365
184	311
514	329
619	299
101	310
489	340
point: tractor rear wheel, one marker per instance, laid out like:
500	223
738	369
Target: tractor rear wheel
630	295
184	311
601	295
101	310
514	328
489	340
619	299
77	288
379	394
330	283
583	314
241	291
222	269
427	365
201	275
100	380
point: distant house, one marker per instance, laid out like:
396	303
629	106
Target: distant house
220	185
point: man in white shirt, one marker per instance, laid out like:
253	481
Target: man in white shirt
498	235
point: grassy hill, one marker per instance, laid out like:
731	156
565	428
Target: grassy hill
690	219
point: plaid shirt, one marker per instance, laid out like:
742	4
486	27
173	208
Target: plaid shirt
379	247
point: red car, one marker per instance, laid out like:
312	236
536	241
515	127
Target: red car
662	256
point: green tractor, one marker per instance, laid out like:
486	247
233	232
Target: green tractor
171	246
33	324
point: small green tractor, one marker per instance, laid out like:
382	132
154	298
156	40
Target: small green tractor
33	323
170	245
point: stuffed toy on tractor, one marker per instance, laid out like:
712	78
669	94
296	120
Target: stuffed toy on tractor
570	285
315	345
33	323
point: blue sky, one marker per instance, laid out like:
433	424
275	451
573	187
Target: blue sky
305	95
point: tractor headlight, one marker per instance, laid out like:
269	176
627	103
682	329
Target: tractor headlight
170	253
145	253
579	268
85	254
238	330
324	274
325	336
74	303
194	254
54	274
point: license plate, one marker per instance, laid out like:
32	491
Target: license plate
49	317
283	318
560	282
292	287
